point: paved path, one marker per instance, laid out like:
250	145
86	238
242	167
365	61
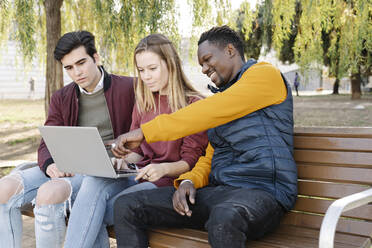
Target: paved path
28	239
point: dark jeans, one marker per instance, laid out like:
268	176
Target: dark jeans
231	215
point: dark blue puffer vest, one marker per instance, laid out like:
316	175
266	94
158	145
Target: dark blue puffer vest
256	151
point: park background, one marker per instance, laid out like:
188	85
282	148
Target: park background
328	42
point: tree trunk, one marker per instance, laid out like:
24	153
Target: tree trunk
336	85
355	86
54	75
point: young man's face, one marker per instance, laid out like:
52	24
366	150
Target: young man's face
81	68
216	63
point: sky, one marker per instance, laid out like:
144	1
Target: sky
185	14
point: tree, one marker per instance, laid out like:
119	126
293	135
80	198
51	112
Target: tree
118	24
54	75
331	51
345	24
313	33
250	26
206	14
261	32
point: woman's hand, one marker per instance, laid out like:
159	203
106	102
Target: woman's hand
152	172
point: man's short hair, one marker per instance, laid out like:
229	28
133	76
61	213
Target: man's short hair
72	40
222	36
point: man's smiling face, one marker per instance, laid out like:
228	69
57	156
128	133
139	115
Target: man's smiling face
216	63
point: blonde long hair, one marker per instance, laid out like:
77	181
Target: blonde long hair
179	87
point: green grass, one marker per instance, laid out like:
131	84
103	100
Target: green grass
5	171
332	110
22	111
23	140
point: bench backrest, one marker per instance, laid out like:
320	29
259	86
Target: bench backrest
332	163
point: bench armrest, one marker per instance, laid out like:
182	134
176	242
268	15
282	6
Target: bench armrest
24	166
328	228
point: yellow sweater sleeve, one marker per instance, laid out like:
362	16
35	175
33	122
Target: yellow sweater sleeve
260	86
199	175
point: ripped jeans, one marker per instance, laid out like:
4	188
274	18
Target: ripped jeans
93	210
50	224
231	215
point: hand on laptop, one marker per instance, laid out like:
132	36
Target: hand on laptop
151	172
54	172
119	164
127	141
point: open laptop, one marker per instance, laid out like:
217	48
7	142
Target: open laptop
80	150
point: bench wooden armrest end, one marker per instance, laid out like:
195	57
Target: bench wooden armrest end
329	223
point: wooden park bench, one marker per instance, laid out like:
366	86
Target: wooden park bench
332	210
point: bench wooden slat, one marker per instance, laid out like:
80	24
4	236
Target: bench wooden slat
333	143
261	244
355	227
349	132
289	240
335	174
328	189
333	157
160	240
196	235
320	206
286	236
27	210
339	237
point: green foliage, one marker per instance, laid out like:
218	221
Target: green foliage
22	20
286	53
5	13
207	14
267	19
356	35
283	15
250	27
246	17
201	10
117	24
335	33
25	19
308	45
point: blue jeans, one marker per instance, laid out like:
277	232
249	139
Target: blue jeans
230	214
93	210
49	219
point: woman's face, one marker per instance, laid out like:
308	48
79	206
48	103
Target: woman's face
153	71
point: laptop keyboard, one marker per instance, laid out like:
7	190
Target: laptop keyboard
125	171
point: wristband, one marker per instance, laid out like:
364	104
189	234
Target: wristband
186	180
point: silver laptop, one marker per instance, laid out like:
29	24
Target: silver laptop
80	150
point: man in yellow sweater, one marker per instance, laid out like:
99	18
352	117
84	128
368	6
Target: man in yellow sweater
247	179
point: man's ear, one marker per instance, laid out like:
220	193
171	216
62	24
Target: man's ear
97	59
230	50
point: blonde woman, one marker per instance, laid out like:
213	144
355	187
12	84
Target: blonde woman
161	88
